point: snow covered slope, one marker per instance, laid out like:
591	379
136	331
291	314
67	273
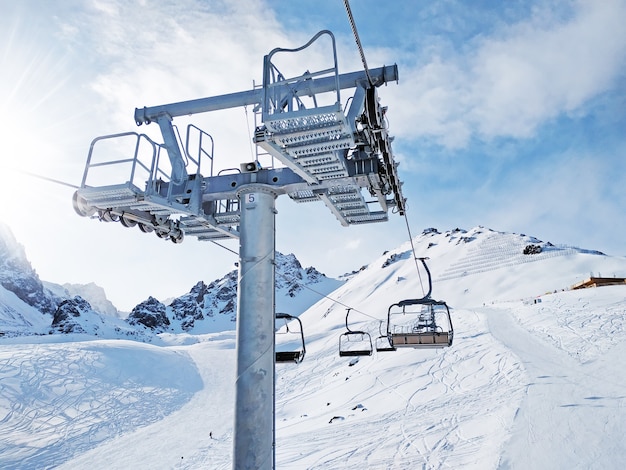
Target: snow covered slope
525	385
61	399
16	315
573	412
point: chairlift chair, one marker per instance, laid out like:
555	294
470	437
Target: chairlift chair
419	323
383	344
285	354
355	342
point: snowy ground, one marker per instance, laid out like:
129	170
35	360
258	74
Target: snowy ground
61	399
574	411
525	385
547	392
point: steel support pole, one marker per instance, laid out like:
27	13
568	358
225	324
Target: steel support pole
254	406
179	173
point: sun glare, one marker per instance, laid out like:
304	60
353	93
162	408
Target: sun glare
33	101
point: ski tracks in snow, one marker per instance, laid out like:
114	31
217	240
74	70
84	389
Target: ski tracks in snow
569	404
58	400
450	408
198	435
476	384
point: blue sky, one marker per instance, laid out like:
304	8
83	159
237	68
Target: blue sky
508	114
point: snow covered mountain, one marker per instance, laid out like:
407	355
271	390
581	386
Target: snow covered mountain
461	257
29	306
524	385
18	276
85	309
210	308
95	295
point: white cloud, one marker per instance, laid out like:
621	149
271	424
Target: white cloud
514	81
168	53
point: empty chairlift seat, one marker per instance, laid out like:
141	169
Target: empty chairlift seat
355	342
383	344
420	324
290	347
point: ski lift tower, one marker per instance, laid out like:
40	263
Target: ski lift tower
334	152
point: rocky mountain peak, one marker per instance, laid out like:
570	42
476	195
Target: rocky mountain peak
151	314
95	295
66	317
213	306
18	276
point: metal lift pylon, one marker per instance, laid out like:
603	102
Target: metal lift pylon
253	441
330	154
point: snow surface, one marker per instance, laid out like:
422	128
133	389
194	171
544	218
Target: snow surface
525	384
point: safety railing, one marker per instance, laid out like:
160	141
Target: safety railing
138	160
203	147
281	93
139	167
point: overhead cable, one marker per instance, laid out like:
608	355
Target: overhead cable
358	41
45	178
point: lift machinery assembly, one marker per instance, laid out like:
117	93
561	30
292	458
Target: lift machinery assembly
329	150
329	154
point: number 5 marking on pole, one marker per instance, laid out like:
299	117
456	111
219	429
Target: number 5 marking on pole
250	198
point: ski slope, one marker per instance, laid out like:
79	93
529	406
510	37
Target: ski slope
578	406
525	385
61	399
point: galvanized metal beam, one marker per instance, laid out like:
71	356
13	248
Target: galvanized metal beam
146	115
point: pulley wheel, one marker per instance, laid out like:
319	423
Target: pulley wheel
81	207
145	228
126	222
